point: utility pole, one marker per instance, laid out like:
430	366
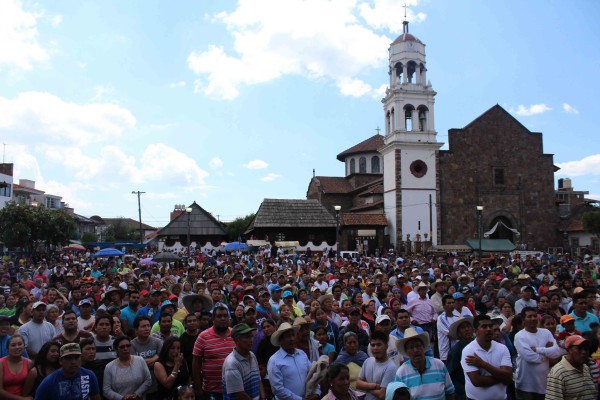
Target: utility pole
140	213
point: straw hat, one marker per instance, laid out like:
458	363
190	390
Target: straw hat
463	277
324	297
453	328
188	302
283	328
435	284
410	334
421	285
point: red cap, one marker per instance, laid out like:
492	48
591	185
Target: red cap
574	340
173	297
144	293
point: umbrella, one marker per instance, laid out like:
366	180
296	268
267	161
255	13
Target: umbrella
108	252
147	261
166	257
236	246
75	247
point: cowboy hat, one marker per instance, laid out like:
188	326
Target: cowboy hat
453	328
463	277
188	302
410	334
506	280
421	285
283	328
435	284
299	321
324	297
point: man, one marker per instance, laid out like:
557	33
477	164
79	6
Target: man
427	377
128	313
421	310
525	300
4	336
152	309
188	338
304	341
443	324
378	370
175	326
264	305
146	346
320	283
210	350
275	300
484	380
165	325
288	367
37	331
439	286
383	323
354	326
71	332
71	381
85	321
369	295
459	305
536	347
241	377
583	318
570	379
288	300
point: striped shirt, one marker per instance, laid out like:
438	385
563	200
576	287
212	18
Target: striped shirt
241	374
565	382
434	383
212	350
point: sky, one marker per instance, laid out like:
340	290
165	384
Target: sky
227	103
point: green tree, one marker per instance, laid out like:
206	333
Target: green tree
238	226
591	222
121	232
89	237
27	226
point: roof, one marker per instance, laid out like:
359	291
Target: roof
288	213
368	206
501	245
372	144
356	219
201	223
21	188
334	184
376	188
406	37
128	222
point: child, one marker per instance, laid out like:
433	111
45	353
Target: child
568	323
326	348
185	393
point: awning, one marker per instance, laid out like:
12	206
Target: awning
499	245
256	243
450	248
287	244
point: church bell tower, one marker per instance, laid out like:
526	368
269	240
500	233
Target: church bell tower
411	189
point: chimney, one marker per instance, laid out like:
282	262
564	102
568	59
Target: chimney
177	211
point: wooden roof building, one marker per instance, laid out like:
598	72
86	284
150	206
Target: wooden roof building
203	227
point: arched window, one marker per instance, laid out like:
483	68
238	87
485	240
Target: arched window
408	110
411	69
362	165
393	121
375	165
422	117
399	67
352	166
388	125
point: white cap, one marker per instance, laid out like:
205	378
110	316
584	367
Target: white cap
382	318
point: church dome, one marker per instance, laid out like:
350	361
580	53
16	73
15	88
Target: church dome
406	37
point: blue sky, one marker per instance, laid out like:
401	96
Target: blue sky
229	102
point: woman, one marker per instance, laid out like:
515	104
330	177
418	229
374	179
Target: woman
285	314
170	369
357	299
507	315
46	362
116	328
554	308
234	301
543	304
238	315
14	370
545	286
368	314
394	304
22	316
333	332
127	377
52	313
351	356
264	351
338	377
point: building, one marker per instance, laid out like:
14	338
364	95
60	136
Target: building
25	192
6	183
102	224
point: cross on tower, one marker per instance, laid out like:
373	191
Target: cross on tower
377	129
405	6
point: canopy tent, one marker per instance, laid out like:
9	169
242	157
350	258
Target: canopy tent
256	243
289	243
496	245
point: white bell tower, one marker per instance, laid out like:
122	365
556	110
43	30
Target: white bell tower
410	153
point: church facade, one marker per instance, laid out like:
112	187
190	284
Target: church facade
430	196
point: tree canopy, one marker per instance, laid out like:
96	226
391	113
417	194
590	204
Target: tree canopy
236	228
26	226
121	232
591	222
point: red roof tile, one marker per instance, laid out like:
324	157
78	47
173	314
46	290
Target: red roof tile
355	219
335	184
374	143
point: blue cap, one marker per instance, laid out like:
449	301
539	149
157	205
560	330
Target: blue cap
274	287
458	295
287	293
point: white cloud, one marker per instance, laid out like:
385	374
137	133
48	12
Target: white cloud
256	164
56	20
569	109
336	40
586	166
45	118
177	84
534	109
19	45
215	163
270	177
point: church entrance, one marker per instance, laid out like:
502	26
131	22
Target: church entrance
503	229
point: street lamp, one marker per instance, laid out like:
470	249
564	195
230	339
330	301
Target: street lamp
188	212
337	227
479	228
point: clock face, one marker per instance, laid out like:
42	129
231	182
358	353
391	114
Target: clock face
418	168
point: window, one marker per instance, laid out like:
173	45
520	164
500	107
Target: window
498	176
422	118
375	165
362	165
5	189
408	109
596	245
352	166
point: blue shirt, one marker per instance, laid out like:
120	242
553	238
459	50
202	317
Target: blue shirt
287	374
583	324
127	314
434	383
399	335
56	386
147	311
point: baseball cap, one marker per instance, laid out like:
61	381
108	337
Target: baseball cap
287	293
144	293
37	304
173	297
274	287
524	288
314	289
574	340
566	318
465	290
381	318
248	297
70	349
248	308
458	295
241	329
85	301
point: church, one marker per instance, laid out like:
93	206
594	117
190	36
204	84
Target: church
401	190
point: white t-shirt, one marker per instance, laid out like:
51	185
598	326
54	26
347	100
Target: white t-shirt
533	367
499	356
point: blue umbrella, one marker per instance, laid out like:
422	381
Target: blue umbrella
109	252
236	246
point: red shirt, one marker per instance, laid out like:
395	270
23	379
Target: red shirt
212	350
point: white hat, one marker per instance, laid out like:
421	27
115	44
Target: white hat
453	328
410	334
382	318
283	328
420	285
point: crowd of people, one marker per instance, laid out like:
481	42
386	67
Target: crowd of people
296	326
